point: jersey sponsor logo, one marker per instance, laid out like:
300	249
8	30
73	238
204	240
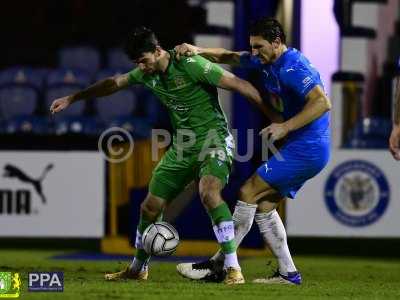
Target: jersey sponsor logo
190	60
357	193
207	68
290	70
179	81
153	82
178	107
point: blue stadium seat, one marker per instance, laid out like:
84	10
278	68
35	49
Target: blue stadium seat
80	57
63	82
370	133
28	124
18	103
18	100
118	110
153	110
68	76
138	127
104	73
23	75
56	91
367	143
122	103
3	126
375	126
117	59
76	125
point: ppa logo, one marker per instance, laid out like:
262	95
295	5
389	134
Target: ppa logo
46	282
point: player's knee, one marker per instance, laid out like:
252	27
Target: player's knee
210	199
246	193
210	193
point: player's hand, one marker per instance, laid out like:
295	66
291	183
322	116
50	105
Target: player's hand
276	131
186	50
60	104
394	142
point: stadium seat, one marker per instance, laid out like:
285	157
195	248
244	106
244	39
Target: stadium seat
370	133
81	57
68	76
18	100
18	103
24	75
117	59
367	143
28	124
76	125
138	127
63	82
374	127
3	126
152	108
56	91
104	73
122	103
118	110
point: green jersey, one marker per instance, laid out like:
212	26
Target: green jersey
188	90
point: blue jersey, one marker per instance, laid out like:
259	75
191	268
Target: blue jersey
289	79
306	152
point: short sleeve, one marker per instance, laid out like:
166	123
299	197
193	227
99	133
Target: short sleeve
249	61
300	79
203	70
135	76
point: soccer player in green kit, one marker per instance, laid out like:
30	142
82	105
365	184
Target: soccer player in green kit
188	88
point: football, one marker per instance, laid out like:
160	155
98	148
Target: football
160	239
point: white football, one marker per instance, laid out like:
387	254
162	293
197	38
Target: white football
160	239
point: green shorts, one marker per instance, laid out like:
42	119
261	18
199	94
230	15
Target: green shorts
173	173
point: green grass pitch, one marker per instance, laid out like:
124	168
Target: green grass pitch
324	278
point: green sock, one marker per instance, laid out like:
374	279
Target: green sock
141	255
223	227
143	224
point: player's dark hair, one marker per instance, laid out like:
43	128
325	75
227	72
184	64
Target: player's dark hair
269	29
139	41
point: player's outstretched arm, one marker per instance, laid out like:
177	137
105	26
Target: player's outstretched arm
394	141
231	82
217	55
101	88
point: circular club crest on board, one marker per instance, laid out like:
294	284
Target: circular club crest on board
357	193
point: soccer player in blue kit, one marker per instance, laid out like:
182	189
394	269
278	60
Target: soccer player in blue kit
297	93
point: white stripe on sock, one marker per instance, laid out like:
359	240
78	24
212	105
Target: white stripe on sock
243	217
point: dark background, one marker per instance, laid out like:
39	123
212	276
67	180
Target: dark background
32	31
